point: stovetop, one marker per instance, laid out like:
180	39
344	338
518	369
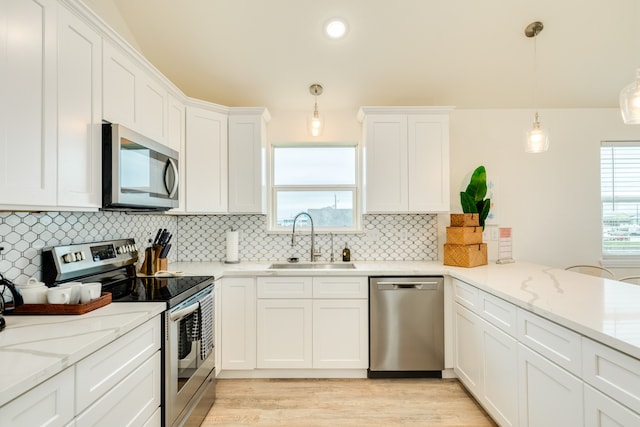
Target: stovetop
113	263
157	289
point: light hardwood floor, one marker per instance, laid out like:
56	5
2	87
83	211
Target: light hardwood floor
344	402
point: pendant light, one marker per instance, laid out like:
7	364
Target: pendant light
630	102
315	123
630	94
536	138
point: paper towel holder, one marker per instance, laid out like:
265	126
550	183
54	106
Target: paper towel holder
232	250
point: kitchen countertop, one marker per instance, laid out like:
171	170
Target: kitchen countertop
35	348
605	310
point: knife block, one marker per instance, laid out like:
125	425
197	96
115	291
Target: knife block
152	262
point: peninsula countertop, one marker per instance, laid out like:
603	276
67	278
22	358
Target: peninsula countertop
605	310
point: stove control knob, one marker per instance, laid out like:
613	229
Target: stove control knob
79	256
70	257
119	250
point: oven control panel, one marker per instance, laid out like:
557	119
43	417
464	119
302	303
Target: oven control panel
60	262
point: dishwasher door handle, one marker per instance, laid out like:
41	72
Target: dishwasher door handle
423	286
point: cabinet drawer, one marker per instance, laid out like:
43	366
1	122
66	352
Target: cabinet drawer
553	341
466	295
612	372
131	402
498	312
47	404
600	410
340	287
284	287
105	368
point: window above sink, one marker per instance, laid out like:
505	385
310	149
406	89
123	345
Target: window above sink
320	179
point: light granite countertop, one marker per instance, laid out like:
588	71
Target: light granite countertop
605	310
35	348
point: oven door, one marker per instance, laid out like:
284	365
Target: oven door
189	379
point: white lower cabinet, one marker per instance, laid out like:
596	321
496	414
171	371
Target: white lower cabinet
550	396
486	363
602	411
284	333
312	322
47	404
500	385
238	323
468	355
131	402
340	334
118	385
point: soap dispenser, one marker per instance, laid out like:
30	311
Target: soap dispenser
346	253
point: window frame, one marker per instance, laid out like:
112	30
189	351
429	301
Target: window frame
612	258
272	189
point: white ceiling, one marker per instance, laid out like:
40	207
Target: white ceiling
465	53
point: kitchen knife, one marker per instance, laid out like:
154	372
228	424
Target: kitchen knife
165	251
158	234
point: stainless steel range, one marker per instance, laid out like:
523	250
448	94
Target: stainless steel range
188	342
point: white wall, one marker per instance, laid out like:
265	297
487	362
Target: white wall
551	200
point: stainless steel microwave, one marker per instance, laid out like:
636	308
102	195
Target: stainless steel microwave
137	172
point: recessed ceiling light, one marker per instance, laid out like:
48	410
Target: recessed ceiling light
336	28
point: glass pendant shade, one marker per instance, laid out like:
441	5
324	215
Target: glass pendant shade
630	102
315	124
536	139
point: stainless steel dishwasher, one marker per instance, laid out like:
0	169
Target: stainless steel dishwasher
406	327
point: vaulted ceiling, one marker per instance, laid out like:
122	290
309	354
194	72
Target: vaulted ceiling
465	53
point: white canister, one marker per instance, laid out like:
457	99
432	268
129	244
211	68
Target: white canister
33	292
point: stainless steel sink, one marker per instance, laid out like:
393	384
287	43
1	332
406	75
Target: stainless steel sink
313	266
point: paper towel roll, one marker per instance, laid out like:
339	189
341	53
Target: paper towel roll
233	240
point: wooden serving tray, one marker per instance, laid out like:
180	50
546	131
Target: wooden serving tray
101	301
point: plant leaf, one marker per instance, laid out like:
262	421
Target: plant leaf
484	211
477	187
468	204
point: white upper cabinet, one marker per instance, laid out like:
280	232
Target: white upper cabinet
247	157
176	120
206	161
406	159
27	103
79	113
131	96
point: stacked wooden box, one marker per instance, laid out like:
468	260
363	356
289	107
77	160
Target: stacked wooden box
464	247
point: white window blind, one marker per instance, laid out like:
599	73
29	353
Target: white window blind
620	192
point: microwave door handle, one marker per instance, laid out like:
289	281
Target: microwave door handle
171	191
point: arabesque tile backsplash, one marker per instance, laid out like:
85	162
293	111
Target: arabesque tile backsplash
202	237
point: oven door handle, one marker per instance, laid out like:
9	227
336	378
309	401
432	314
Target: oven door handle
174	316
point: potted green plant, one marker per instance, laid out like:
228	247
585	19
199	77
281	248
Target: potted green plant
472	199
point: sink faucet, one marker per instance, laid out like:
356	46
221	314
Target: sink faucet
314	254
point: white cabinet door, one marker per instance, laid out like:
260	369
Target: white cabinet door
386	163
247	161
500	375
428	163
406	159
284	333
79	113
119	82
468	359
238	323
50	403
131	96
132	401
206	161
602	411
549	395
341	334
176	119
151	108
28	102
